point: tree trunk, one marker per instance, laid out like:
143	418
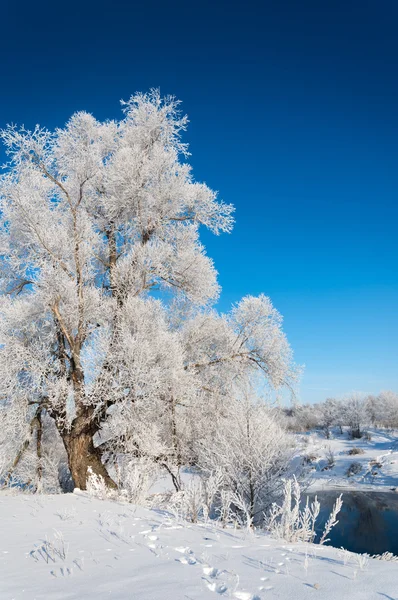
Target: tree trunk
39	452
82	455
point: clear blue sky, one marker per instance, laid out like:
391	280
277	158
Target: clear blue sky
294	119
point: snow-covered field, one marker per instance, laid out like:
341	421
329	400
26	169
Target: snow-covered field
73	546
377	457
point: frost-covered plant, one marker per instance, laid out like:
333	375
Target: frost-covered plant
96	486
330	457
362	560
67	514
328	411
388	556
212	489
51	550
190	502
353	451
332	520
291	523
200	498
135	478
242	510
353	469
288	521
355	414
346	555
252	452
224	509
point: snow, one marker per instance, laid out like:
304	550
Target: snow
73	546
378	460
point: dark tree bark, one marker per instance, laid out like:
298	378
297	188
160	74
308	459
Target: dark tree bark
39	440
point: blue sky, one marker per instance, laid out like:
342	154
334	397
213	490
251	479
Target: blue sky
294	119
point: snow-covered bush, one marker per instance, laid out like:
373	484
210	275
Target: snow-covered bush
353	469
354	451
330	457
135	477
252	452
96	486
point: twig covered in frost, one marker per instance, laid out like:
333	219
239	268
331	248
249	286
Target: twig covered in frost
332	520
362	560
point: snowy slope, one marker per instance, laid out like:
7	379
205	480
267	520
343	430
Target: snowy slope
113	550
378	460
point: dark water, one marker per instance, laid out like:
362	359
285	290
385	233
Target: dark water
368	521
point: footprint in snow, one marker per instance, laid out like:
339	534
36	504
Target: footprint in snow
218	588
245	596
183	549
210	572
188	560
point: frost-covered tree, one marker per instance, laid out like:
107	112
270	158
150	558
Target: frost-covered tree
106	291
355	413
329	411
383	409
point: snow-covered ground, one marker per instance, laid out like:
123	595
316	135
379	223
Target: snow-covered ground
378	460
73	546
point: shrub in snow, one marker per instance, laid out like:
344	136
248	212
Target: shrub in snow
310	458
354	451
96	486
135	478
252	452
330	458
353	469
200	498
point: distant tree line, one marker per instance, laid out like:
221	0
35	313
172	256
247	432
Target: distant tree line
355	411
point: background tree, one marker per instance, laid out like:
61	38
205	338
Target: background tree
328	415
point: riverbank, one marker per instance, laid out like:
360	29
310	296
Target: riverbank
368	464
